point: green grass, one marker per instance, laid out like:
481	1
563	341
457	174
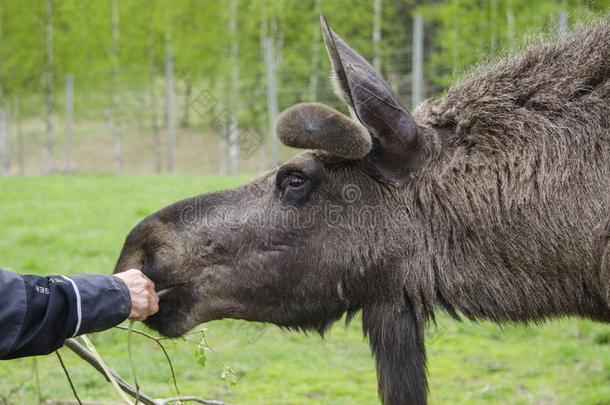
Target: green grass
69	225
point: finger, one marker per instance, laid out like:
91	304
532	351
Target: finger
154	309
145	280
154	298
133	272
153	305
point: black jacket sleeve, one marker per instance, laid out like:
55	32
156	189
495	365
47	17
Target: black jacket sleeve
38	313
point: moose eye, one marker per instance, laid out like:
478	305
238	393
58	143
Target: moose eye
294	187
295	180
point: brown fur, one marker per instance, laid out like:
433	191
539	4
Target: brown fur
523	149
502	214
317	126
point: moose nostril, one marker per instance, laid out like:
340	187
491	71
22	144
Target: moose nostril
148	265
129	259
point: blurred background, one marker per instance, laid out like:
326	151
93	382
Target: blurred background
193	86
112	109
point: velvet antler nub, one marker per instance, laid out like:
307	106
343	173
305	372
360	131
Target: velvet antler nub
317	126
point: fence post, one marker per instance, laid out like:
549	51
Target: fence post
169	111
493	39
272	108
69	118
48	88
223	145
563	23
377	36
510	26
262	153
154	106
315	56
234	124
116	131
117	139
5	163
19	135
417	75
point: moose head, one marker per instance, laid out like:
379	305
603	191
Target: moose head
392	214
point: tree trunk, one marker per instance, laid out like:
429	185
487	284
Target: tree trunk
169	111
377	36
272	104
563	23
186	114
234	103
455	35
493	28
5	163
116	130
4	127
154	104
417	75
510	26
19	135
69	117
315	56
262	156
223	136
49	89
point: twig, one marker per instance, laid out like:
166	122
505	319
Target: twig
157	340
190	399
133	368
86	355
37	375
91	347
63	367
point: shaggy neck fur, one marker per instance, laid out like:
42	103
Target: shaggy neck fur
503	216
520	182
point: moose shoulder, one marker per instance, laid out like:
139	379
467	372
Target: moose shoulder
489	203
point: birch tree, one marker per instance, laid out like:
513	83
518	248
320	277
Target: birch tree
49	89
234	97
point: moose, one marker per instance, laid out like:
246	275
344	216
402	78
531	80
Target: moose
491	202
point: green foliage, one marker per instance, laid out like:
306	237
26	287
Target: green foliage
200	351
229	374
459	33
466	32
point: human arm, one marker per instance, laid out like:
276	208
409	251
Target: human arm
38	313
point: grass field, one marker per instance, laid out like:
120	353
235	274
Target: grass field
69	225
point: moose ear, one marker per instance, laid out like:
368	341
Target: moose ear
316	126
374	105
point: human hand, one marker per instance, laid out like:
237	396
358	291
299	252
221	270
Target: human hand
144	299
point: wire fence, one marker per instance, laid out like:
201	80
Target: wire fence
168	121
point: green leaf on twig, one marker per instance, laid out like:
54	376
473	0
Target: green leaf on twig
200	351
228	372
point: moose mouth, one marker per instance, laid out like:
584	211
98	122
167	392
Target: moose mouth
172	318
164	291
